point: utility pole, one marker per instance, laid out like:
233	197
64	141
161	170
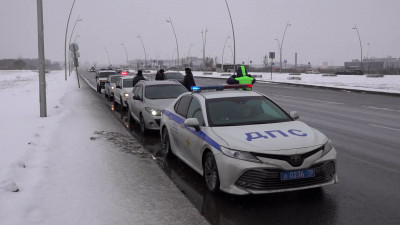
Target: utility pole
42	67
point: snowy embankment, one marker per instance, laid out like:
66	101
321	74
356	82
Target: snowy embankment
25	136
72	167
387	83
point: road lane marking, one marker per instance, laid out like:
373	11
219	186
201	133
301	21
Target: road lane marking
384	109
309	99
390	128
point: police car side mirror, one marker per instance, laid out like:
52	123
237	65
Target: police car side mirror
192	122
294	114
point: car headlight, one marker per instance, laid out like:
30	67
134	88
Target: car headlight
327	147
154	112
126	95
240	155
112	88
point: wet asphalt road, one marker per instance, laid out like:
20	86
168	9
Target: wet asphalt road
365	130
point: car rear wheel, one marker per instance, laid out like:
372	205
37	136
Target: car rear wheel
143	128
210	171
166	144
98	89
106	95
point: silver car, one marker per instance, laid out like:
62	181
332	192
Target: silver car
148	99
109	86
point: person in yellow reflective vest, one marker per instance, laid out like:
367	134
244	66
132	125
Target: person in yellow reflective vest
241	77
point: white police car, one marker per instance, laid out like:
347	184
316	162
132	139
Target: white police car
244	143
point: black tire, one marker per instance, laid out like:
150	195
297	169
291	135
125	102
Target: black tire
166	144
98	89
121	105
115	105
130	119
106	95
210	171
143	128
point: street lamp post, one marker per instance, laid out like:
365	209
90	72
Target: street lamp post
65	41
230	47
223	51
42	66
108	55
126	52
204	38
355	28
176	39
144	49
233	35
188	54
281	45
70	38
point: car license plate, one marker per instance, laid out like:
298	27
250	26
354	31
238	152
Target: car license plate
297	174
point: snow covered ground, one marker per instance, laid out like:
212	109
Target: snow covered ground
72	167
387	83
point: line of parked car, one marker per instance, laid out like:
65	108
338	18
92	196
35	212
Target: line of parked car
240	141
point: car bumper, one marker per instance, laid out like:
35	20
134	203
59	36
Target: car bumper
152	122
243	177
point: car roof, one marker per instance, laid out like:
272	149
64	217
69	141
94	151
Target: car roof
158	82
100	71
173	72
125	77
226	94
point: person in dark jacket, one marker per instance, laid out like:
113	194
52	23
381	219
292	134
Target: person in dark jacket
241	77
138	77
188	80
160	75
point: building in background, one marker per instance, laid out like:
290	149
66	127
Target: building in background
378	65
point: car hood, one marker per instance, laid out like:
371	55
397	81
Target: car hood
127	90
264	138
159	103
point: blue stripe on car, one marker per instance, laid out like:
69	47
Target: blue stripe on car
200	133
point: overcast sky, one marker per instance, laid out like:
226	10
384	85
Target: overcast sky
321	30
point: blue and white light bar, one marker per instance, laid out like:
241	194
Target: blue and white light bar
220	87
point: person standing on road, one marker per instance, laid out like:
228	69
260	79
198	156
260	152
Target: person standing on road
242	77
138	77
160	75
188	80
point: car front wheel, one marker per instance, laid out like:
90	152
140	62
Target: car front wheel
143	128
210	171
121	105
130	119
166	144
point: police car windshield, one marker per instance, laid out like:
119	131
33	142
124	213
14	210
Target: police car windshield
164	91
114	79
244	111
106	74
128	83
